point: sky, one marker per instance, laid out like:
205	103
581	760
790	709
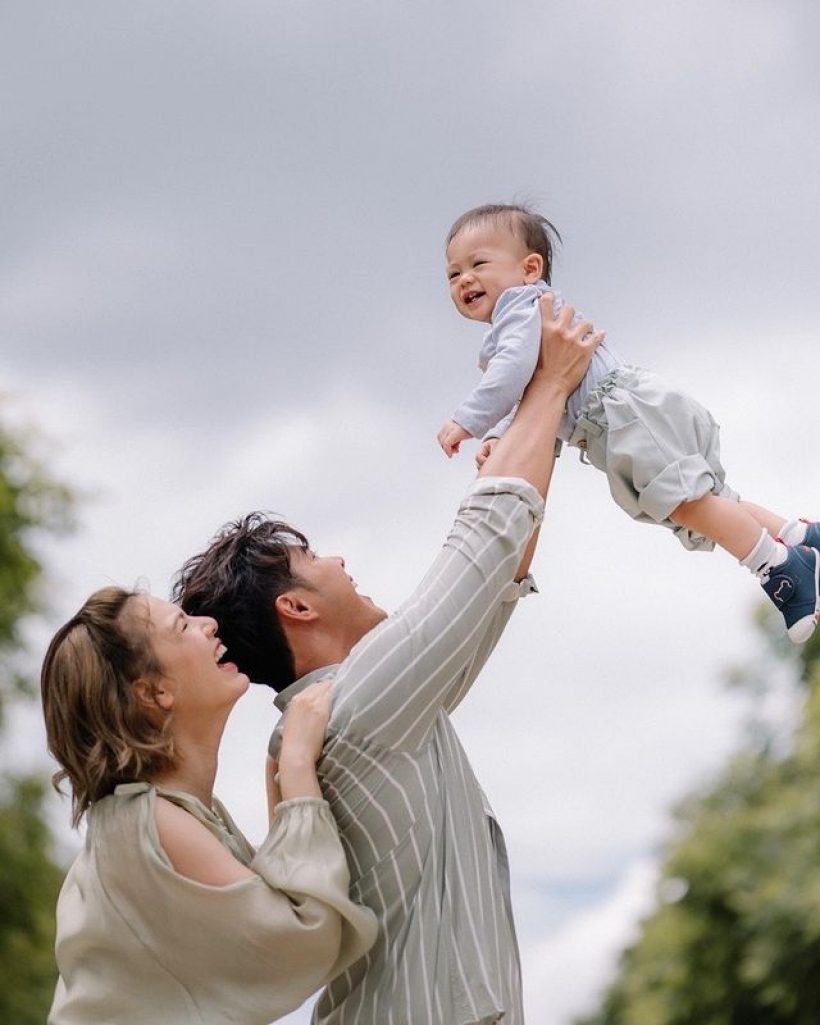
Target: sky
222	288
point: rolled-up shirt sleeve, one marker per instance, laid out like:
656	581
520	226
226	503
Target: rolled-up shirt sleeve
427	654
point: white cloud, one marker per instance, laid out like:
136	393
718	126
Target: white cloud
565	972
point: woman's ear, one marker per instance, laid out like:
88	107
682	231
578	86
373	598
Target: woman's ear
533	267
153	694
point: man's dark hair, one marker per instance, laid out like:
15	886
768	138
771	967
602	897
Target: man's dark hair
236	580
537	233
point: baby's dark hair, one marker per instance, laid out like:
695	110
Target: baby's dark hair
537	233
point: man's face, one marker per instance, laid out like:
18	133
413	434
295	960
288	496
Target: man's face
333	593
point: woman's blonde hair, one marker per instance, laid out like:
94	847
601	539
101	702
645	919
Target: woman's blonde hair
97	728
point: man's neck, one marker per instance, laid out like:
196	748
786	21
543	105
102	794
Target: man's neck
318	656
313	649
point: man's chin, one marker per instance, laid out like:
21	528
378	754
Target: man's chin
378	612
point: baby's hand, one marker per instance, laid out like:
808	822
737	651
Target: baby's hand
483	453
451	436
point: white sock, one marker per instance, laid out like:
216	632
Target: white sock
765	555
794	532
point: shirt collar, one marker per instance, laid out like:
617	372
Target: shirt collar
283	697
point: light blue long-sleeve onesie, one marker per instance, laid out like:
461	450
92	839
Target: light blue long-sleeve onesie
507	359
658	446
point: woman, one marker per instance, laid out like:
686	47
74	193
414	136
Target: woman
167	914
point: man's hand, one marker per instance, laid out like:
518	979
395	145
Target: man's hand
484	452
451	436
565	349
527	449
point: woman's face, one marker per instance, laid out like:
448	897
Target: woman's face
196	675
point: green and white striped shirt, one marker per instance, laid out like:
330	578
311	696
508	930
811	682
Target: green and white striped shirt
424	849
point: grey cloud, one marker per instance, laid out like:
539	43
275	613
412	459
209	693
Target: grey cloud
204	188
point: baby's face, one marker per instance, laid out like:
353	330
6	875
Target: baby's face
482	261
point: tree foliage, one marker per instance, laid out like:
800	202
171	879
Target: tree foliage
737	940
29	882
31	506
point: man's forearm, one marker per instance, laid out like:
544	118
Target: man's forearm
527	449
527	557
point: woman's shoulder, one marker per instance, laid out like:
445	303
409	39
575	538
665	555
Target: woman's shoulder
195	851
128	801
124	823
160	827
121	842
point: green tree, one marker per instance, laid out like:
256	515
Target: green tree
737	939
32	506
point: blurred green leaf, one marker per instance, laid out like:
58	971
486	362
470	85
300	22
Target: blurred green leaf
741	945
32	506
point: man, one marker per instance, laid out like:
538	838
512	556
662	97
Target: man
424	848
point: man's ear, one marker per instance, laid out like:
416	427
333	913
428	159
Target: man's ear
295	607
152	695
533	267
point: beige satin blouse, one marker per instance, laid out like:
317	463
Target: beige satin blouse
138	944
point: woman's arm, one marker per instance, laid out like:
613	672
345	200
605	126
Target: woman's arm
194	851
255	940
303	734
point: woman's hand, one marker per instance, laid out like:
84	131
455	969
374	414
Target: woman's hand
303	734
306	719
274	794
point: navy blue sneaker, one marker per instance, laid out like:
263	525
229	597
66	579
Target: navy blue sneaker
794	587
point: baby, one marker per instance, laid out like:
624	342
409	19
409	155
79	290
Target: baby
658	447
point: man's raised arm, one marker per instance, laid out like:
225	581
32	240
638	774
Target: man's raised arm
425	656
527	449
